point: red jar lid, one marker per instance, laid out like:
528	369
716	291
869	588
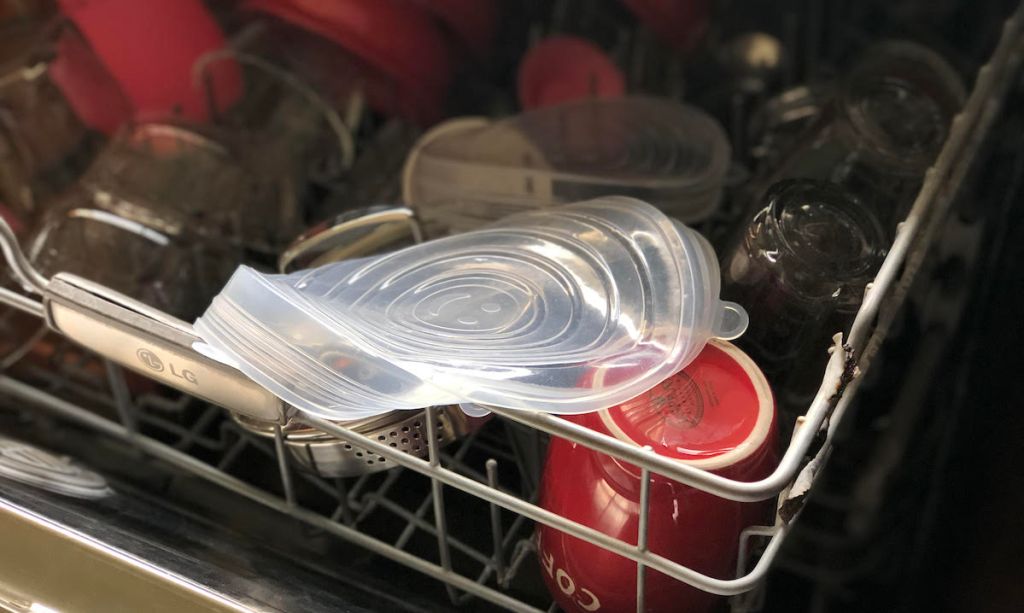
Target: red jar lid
714	413
565	68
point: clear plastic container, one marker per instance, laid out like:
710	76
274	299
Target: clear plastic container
468	172
800	268
565	310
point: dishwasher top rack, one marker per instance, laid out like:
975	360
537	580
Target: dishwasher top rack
126	332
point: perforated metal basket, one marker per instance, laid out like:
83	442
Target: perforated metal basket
327	456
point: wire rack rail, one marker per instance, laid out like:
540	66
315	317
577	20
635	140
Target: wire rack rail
94	391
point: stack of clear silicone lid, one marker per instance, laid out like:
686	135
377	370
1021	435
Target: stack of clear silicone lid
567	310
470	171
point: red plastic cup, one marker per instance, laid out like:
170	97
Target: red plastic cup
717	414
473	22
565	68
679	23
408	60
91	92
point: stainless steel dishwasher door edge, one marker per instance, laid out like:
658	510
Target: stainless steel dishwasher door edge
47	566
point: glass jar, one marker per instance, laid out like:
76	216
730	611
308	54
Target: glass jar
291	122
800	269
155	217
43	144
883	128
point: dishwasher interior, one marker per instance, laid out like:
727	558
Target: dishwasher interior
450	524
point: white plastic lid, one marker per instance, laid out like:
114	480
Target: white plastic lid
566	310
468	171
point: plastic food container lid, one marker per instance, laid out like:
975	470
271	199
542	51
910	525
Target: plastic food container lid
518	315
901	98
563	69
668	154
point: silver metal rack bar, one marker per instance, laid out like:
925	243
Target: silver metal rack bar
641	537
437	494
22	303
497	540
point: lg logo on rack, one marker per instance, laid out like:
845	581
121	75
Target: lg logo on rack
150	359
584	598
154	363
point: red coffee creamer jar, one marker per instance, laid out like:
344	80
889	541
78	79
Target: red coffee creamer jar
717	414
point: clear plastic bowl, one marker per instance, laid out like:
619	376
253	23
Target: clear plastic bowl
470	171
566	310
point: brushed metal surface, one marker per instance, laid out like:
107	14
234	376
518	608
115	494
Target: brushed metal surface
154	348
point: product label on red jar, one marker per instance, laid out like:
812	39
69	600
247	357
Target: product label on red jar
581	596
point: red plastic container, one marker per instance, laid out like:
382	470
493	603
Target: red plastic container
717	414
150	48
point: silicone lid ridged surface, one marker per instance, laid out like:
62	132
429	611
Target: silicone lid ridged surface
565	310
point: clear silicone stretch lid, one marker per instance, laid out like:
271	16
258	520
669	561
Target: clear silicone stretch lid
567	310
464	174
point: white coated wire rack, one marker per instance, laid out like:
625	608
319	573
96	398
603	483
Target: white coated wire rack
114	328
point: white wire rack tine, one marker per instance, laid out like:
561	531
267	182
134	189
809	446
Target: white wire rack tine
282	466
417	522
437	491
520	553
382	490
641	536
122	397
22	303
740	602
343	510
413	522
410	525
497	538
21	269
16	354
